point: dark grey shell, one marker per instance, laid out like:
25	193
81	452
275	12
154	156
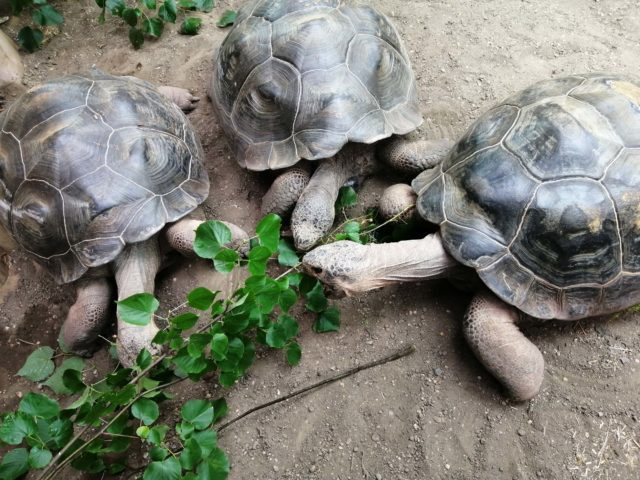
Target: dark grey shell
542	197
90	163
299	79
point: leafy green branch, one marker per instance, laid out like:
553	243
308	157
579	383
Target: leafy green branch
42	14
217	337
364	228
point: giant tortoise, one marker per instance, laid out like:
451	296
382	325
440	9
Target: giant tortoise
298	80
541	198
92	168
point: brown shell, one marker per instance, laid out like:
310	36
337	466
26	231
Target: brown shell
541	197
299	79
90	163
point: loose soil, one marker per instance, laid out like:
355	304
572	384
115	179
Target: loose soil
435	414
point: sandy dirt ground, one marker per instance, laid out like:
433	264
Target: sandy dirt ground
436	414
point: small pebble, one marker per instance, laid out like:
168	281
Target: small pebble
521	432
375	437
378	476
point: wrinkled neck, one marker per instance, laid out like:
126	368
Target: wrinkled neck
410	260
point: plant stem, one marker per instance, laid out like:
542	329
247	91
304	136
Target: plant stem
105	427
408	350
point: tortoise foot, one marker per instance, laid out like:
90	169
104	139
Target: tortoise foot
87	317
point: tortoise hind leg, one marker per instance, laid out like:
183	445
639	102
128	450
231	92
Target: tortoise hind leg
414	156
491	331
87	316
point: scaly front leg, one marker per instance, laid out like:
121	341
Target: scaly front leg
135	272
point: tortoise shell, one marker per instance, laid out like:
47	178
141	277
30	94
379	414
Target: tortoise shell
542	197
299	79
90	163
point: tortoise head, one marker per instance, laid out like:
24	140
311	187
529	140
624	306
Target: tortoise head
345	267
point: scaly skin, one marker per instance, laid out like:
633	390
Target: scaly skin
135	271
491	331
314	213
87	316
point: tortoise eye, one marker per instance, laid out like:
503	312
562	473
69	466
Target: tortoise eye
316	270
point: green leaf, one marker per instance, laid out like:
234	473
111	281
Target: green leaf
158	453
201	298
185	321
294	353
225	260
278	334
328	321
14	464
189	364
191	454
116	7
197	344
168	11
210	237
153	27
347	197
198	412
38	365
150	4
56	383
39	458
227	18
268	231
120	397
130	16
289	325
215	467
145	410
168	469
287	299
228	378
156	434
207	439
144	359
248	356
220	409
286	254
89	462
137	309
276	337
258	257
15	426
316	300
137	39
120	378
59	432
190	26
47	15
142	431
72	380
187	4
185	430
204	5
219	346
39	405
